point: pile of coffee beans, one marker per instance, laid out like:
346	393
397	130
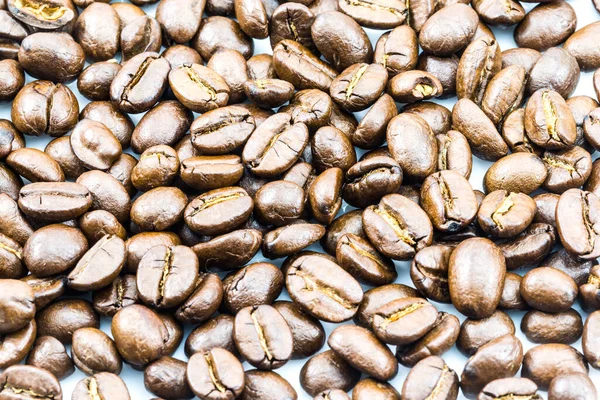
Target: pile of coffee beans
202	184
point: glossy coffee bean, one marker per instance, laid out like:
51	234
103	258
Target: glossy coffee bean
199	88
591	347
35	165
258	283
12	81
430	377
215	374
448	30
104	384
578	234
166	377
505	214
267	385
216	332
548	289
50	354
541	327
149	213
141	34
63	317
93	351
476	333
555	70
307	332
298	65
404	320
122	292
27	379
62	66
377	297
165	124
95	145
578	45
222	130
326	371
477	66
543	363
502	175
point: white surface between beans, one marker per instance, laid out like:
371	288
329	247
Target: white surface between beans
586	14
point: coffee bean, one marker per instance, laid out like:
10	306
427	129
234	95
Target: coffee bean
478	65
578	234
431	377
589	291
13	79
266	385
216	332
548	289
93	351
502	174
590	342
543	363
326	371
166	377
61	66
325	195
222	130
555	70
164	124
33	381
541	327
103	384
122	292
179	20
215	374
476	333
307	332
578	45
523	57
499	388
572	386
505	214
63	317
567	168
180	54
199	88
95	145
99	40
150	213
404	320
61	17
11	259
141	34
258	283
413	86
298	65
268	93
370	132
311	106
359	86
140	335
437	341
46	290
47	353
220	33
334	394
448	30
362	261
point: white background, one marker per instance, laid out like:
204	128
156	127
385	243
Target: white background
586	14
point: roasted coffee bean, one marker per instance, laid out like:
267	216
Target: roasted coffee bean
503	387
13	79
397	227
103	384
93	351
12	264
220	33
266	385
139	244
307	332
362	261
174	333
371	130
327	371
474	292
379	16
35	165
99	40
140	83
590	343
548	121
50	354
541	327
179	55
505	214
96	224
581	107
46	290
211	172
543	363
413	86
449	30
430	377
530	247
412	144
150	211
548	289
228	251
486	143
437	341
94	82
263	337
322	288
166	276
164	124
443	68
495	14
60	150
397	50
54	201
578	45
63	317
199	88
454	153
449	201
204	300
215	374
369	180
9	49
127	12
516	173
523	57
555	70
298	65
252	17
260	66
476	333
546	208
60	66
404	320
478	65
255	284
29	382
572	386
350	222
268	93
13	223
576	222
95	145
359	86
122	292
140	335
325	195
158	166
109	115
216	332
288	240
222	130
545	26
331	148
166	377
107	193
504	93
341	40
275	145
141	34
570	264
44	107
10	138
363	351
371	388
311	106
279	203
437	116
590	290
591	132
499	358
429	272
567	169
54	249
180	20
60	16
380	296
292	21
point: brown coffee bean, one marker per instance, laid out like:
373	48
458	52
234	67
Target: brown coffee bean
159	208
502	175
268	93
139	244
523	57
46	290
429	272
500	358
413	86
93	351
370	388
199	88
325	195
443	68
436	342
35	165
95	145
141	34
350	222
494	14
543	363
180	54
397	50
222	130
164	124
546	208
504	93
307	332
288	240
404	320
179	20
96	224
576	222
54	201
555	70
228	251
362	261
478	65
255	284
380	296
509	387
215	374
44	107
430	377
570	264
548	121
107	194
216	332
327	371
39	56
58	18
486	143
311	106
476	333
99	41
13	79
122	292
530	247
505	214
19	379
60	150
578	45
454	153
572	386
166	377
448	30
359	86
266	385
50	354
292	21
11	259
545	26
298	65
548	289
63	317
120	124
103	384
567	169
541	327
220	33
